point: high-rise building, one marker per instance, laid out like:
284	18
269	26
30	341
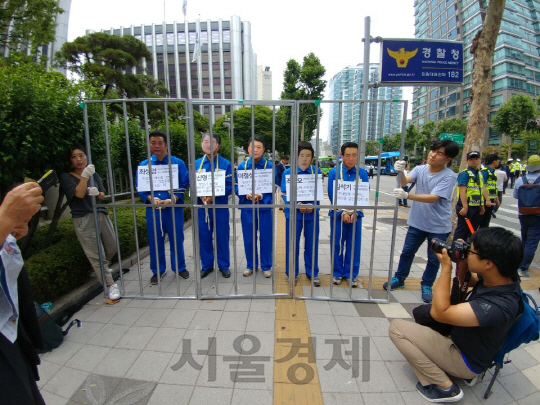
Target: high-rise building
264	83
226	67
516	62
347	85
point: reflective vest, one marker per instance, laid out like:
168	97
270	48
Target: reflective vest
474	189
515	167
491	183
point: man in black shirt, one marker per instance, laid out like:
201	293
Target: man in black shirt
478	326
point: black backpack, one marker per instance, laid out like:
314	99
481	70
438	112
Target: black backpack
52	334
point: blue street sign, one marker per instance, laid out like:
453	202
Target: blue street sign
421	61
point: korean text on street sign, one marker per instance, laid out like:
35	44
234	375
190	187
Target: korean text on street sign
346	193
264	182
204	184
160	178
421	61
457	138
305	187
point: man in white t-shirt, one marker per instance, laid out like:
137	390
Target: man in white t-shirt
431	212
502	177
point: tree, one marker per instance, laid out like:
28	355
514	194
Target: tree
41	119
411	138
27	23
513	116
426	137
452	125
303	82
108	61
372	148
482	48
391	143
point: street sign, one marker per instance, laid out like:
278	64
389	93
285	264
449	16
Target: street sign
421	61
457	138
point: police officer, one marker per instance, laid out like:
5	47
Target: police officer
490	181
470	197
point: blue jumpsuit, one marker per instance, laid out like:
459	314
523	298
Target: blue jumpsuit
341	237
206	224
309	222
164	220
263	222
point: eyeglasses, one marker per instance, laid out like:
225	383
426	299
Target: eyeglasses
474	253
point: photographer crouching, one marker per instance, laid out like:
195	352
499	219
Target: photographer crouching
476	328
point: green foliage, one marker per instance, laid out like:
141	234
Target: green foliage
372	148
28	23
60	268
108	60
391	142
41	120
452	125
242	127
511	119
302	82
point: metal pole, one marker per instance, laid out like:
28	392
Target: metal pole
365	94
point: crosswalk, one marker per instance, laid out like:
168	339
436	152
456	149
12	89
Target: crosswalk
507	217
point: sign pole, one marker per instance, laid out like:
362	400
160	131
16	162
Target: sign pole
365	94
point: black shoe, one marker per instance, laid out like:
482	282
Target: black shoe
493	214
184	274
433	393
225	273
124	271
154	280
205	273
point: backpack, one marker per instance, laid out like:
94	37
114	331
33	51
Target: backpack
51	333
529	197
525	329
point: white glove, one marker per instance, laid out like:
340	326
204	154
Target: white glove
88	171
93	191
400	194
399	165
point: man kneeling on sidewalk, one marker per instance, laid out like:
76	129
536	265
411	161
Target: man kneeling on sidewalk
478	326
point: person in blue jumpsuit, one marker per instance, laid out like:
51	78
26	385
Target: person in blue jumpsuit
261	216
213	161
306	218
164	215
342	227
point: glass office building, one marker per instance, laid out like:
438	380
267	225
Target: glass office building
226	68
516	61
347	85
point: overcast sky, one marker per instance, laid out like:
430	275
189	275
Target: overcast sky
281	29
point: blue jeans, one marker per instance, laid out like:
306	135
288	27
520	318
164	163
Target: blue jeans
530	235
414	239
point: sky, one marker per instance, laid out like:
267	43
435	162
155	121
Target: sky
280	29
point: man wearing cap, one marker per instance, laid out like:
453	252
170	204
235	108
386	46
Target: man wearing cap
490	182
530	224
470	192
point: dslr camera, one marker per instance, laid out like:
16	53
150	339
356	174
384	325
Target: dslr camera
457	250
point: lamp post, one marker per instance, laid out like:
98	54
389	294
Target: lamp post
227	123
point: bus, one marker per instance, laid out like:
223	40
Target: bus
387	162
324	164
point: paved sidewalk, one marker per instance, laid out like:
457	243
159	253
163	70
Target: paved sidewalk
170	351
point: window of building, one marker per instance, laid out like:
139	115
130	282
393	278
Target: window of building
192	37
159	39
450	111
433	105
441	115
496	101
148	40
204	37
170	38
181	38
138	36
433	116
433	93
226	36
215	37
442	102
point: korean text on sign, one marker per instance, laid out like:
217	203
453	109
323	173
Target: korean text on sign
346	192
305	187
204	184
264	182
160	178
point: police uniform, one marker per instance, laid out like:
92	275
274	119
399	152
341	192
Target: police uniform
475	200
164	219
515	170
206	217
309	222
341	234
262	218
490	180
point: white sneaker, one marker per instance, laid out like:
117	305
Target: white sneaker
114	292
337	280
248	273
267	273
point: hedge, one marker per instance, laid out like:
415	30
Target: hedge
62	267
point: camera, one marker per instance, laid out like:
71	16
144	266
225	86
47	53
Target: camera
457	250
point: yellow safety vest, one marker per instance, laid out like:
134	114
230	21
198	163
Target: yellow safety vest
491	184
474	189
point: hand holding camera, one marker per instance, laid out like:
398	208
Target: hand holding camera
457	250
